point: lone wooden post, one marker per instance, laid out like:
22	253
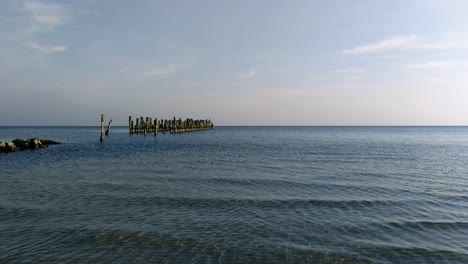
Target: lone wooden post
102	128
108	127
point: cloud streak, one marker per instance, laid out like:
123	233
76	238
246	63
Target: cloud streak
46	48
384	45
248	75
437	64
405	43
349	70
162	71
46	15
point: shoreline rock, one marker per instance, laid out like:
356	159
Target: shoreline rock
23	144
48	142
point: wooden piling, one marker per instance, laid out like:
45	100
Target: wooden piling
102	128
142	124
130	124
175	125
155	127
150	124
108	127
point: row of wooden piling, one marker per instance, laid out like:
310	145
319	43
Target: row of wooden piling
149	125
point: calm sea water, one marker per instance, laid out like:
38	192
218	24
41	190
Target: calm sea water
237	195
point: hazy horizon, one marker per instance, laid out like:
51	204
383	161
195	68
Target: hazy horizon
324	126
303	63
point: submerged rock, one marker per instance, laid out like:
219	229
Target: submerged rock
7	147
49	142
35	143
2	146
10	147
21	144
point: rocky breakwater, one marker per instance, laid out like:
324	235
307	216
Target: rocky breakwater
23	144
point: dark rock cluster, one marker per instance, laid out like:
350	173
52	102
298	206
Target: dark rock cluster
23	144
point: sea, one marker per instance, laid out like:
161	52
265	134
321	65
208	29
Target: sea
237	195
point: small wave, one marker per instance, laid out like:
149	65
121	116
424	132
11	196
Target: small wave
284	184
412	254
237	181
453	197
20	212
123	246
110	186
227	202
428	224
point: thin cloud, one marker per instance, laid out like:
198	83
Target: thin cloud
400	42
405	43
162	71
436	64
349	70
248	75
45	48
438	80
47	15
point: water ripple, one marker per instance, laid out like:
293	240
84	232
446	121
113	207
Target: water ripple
237	195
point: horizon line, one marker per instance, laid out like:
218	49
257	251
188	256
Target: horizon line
25	126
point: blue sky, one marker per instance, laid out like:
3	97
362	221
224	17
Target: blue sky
236	62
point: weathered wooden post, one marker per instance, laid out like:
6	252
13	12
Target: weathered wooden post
142	123
130	124
108	127
150	125
102	128
155	126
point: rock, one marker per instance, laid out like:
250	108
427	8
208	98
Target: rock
10	147
48	142
21	144
35	143
2	146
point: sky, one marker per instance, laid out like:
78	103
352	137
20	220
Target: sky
246	62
